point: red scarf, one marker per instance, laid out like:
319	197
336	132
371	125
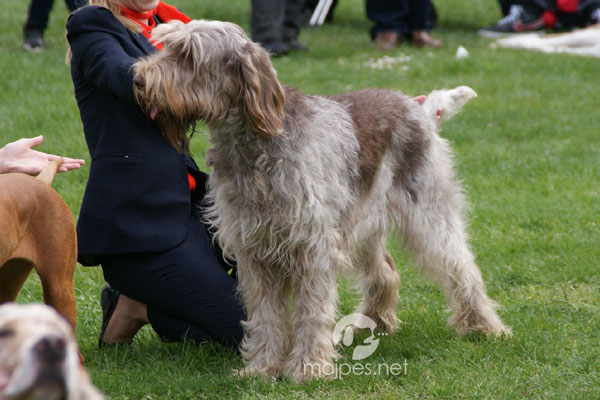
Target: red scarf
164	12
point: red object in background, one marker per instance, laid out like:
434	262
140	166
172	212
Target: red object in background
567	6
549	19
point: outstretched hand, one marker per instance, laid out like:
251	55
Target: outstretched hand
20	157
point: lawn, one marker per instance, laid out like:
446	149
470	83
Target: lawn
528	153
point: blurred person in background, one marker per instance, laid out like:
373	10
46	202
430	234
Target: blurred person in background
396	20
533	15
37	22
276	25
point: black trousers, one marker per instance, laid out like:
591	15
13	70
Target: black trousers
402	16
39	12
276	20
187	289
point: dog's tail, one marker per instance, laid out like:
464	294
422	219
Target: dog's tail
448	101
49	172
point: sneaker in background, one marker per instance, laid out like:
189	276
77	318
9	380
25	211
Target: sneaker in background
33	40
517	20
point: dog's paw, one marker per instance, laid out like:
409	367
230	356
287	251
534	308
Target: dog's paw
386	322
304	372
487	323
269	373
499	331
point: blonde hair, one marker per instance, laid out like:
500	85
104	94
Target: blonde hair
113	7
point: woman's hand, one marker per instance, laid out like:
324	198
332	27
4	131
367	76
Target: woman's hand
20	157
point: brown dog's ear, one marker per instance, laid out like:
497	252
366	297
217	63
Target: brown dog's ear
261	97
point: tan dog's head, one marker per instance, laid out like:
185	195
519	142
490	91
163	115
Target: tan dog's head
209	71
38	356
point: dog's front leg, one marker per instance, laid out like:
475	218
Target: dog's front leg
266	337
312	352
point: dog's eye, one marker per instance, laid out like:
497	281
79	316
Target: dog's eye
6	332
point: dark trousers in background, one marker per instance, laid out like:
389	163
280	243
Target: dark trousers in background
402	16
276	20
187	289
39	12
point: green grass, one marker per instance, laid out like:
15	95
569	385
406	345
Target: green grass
527	150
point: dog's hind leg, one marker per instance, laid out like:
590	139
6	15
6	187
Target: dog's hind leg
431	224
53	246
378	282
59	292
266	339
13	275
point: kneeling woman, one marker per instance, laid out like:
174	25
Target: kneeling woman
139	217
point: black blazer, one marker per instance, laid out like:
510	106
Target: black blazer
137	198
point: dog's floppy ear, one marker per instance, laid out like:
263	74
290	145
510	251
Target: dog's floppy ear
260	95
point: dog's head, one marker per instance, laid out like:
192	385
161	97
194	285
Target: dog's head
38	356
209	71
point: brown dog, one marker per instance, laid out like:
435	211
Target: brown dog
37	231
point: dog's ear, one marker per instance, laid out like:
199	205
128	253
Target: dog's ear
260	95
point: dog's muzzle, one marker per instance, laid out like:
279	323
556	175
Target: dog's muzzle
50	350
44	373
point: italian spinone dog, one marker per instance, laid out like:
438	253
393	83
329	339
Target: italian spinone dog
305	187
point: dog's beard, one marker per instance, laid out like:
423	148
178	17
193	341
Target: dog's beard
49	385
173	128
175	131
41	381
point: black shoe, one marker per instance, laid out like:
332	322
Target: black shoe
295	45
33	40
516	21
108	301
276	48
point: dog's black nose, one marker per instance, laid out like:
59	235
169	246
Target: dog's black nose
139	81
51	349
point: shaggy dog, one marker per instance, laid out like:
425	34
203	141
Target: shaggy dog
304	187
38	356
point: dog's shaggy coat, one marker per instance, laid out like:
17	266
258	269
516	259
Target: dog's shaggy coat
304	187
